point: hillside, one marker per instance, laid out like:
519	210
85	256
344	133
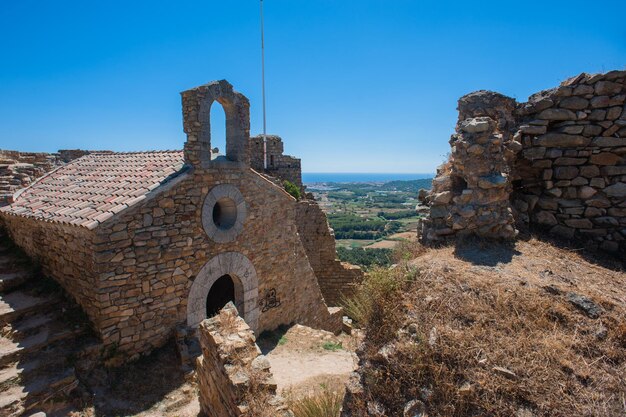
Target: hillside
526	330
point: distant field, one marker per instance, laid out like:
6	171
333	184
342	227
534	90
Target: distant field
376	216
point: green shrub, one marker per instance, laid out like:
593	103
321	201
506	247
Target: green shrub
292	189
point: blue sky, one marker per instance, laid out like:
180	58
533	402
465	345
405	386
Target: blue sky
353	86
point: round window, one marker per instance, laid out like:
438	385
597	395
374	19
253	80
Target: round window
224	213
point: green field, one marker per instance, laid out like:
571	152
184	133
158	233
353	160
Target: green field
372	216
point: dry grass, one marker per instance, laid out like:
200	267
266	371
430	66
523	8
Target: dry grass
488	330
324	403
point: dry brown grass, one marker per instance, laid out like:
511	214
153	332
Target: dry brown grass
488	330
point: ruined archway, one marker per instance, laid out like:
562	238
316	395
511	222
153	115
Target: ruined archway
197	104
246	288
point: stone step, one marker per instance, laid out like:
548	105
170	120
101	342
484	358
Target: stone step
11	280
18	398
46	335
28	325
18	303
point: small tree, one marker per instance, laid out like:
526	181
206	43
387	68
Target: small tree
292	189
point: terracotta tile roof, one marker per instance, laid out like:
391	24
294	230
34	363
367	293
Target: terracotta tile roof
95	187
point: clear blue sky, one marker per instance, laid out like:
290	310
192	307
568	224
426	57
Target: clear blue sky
353	86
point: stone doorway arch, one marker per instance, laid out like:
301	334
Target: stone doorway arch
246	288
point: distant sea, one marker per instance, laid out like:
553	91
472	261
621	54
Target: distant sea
319	177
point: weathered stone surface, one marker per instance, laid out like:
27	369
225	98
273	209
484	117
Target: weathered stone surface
557	114
607	88
609	142
616	190
476	125
574	103
566	173
605	158
562	140
546	218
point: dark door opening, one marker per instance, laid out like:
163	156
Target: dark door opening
222	291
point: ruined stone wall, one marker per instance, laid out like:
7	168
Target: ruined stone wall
470	194
562	164
571	175
149	256
234	379
281	166
335	278
64	252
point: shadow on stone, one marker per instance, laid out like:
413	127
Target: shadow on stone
485	252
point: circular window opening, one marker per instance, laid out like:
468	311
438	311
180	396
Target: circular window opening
225	213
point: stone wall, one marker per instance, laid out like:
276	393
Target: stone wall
563	165
281	166
148	257
234	379
335	278
471	192
64	252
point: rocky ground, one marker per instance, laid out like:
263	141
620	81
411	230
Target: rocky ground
303	360
528	329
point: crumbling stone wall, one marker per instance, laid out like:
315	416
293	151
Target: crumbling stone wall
470	194
565	163
335	278
281	166
234	379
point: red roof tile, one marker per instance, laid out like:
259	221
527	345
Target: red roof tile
91	189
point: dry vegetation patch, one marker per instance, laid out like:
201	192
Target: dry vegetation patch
476	329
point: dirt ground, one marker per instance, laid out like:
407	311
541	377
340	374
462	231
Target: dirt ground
529	328
303	361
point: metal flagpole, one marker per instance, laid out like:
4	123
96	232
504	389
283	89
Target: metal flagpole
263	82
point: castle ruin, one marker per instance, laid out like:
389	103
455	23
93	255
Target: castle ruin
556	162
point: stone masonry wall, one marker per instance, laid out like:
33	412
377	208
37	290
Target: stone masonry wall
281	166
148	257
571	175
64	252
335	278
234	379
471	192
563	169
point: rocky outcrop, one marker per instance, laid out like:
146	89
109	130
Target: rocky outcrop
556	162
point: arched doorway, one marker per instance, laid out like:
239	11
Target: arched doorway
242	276
220	294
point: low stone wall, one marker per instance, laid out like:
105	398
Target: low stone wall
556	162
335	278
234	379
